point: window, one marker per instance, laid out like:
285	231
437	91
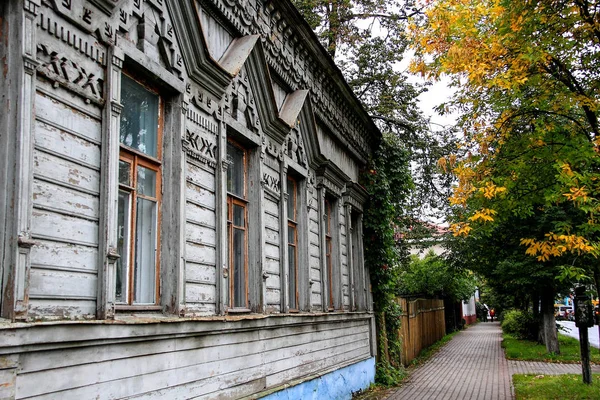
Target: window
328	252
292	215
140	183
237	225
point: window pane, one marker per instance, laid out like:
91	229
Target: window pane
292	276
239	216
291	206
235	170
145	252
239	270
291	234
139	118
146	181
124	173
123	236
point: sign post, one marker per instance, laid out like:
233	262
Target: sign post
584	319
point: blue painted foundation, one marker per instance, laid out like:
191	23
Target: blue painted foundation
338	385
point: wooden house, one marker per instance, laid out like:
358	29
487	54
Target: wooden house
180	213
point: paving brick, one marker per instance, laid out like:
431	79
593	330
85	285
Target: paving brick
473	366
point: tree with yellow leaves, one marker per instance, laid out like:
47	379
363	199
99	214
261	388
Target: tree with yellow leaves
527	76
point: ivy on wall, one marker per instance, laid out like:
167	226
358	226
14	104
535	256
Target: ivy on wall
389	184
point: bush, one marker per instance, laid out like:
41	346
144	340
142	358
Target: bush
520	324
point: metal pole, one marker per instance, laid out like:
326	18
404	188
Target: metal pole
584	345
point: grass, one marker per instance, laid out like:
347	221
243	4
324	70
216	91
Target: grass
526	350
563	387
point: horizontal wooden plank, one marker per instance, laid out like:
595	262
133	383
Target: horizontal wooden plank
61	170
200	234
271	207
199	196
70	119
68	200
273	297
200	293
312	365
271	251
200	273
56	284
200	214
271	221
49	225
62	309
200	309
271	266
271	235
68	256
315	298
200	254
120	378
65	144
201	176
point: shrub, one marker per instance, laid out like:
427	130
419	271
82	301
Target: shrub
520	324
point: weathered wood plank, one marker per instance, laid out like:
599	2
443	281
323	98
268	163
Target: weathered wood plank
57	169
198	253
200	234
62	143
200	293
134	375
200	273
65	199
271	265
200	214
47	225
57	284
62	309
199	196
69	119
271	207
271	235
271	221
271	251
201	177
273	296
200	309
68	256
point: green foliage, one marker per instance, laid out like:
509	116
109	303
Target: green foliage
520	324
434	276
367	40
388	375
527	350
555	387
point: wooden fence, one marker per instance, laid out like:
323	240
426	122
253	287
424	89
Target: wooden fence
422	324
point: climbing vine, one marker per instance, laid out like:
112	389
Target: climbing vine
388	182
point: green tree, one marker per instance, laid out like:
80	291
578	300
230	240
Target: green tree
435	276
367	40
527	80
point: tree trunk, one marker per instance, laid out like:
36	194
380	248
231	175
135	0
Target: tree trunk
550	335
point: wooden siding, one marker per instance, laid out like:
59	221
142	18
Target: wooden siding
151	363
201	244
65	192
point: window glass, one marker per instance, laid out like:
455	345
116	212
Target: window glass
291	203
292	277
123	238
236	170
145	250
124	173
139	196
139	118
146	182
239	269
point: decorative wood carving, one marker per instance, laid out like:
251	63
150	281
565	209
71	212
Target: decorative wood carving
200	149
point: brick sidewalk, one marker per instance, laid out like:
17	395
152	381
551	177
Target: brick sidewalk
472	366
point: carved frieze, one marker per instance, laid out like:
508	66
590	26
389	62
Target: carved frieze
294	148
288	56
200	149
271	183
240	102
205	102
62	70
